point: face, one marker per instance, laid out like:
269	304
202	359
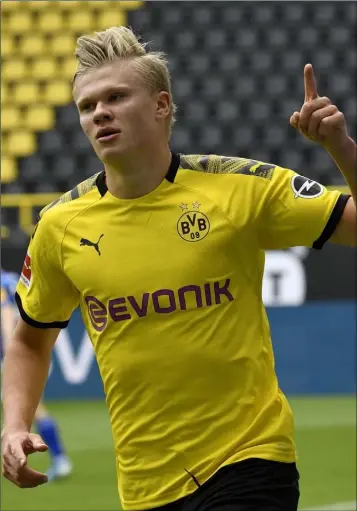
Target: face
118	113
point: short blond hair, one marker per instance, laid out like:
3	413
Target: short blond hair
120	43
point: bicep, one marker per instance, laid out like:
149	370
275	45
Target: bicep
37	339
346	229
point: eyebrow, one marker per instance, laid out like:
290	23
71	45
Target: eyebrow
108	91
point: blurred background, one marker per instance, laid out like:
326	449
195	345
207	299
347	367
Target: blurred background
237	70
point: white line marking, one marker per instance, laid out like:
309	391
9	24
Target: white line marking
338	506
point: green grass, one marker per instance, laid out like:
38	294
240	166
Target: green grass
326	439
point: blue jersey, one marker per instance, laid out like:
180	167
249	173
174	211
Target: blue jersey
8	287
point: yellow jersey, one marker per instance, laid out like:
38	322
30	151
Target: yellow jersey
170	290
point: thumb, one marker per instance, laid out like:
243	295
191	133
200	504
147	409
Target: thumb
37	443
294	119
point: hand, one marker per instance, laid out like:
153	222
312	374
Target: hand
16	446
319	120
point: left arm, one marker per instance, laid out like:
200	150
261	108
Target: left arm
321	121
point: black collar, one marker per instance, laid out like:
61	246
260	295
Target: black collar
170	176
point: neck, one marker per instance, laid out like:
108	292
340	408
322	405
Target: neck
137	175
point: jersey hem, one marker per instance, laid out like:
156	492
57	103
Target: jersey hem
33	322
332	222
282	457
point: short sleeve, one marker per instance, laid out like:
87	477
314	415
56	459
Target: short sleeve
293	210
45	296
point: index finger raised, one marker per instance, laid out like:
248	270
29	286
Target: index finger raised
310	83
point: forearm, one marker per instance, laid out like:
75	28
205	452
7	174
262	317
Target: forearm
346	160
25	372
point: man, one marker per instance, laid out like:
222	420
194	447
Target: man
165	255
46	426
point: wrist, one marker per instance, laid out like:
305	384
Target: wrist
339	149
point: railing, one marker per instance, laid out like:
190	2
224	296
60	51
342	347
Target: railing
25	204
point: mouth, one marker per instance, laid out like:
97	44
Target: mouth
107	135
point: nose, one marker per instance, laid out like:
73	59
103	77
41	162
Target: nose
102	113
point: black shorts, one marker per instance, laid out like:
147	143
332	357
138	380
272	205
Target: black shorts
250	485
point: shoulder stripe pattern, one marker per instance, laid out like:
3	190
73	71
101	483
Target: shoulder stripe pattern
75	193
213	164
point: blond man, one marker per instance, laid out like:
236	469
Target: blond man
164	253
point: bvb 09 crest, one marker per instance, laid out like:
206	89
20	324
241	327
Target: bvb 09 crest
193	225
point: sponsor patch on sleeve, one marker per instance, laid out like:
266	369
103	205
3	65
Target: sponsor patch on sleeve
306	188
26	272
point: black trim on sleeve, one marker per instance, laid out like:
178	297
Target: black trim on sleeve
175	163
37	324
332	222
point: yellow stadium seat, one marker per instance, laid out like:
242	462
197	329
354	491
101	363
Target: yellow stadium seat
39	118
111	18
8	47
68	68
5	94
58	92
44	68
72	5
10	117
62	45
99	5
27	92
19	21
32	45
39	5
50	21
8	169
21	143
80	21
130	5
13	70
10	5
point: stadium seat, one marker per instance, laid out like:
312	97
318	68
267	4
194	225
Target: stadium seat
62	45
67	68
21	143
13	5
58	92
32	45
73	5
50	21
110	18
5	94
52	143
40	5
44	68
18	22
67	118
13	69
8	169
39	117
7	46
10	117
32	170
27	92
80	21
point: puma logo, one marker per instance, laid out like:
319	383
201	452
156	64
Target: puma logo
89	243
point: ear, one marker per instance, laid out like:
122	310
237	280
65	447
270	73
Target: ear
163	105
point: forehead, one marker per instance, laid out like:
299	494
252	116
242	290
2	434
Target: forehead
97	81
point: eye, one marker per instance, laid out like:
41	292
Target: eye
86	107
116	96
